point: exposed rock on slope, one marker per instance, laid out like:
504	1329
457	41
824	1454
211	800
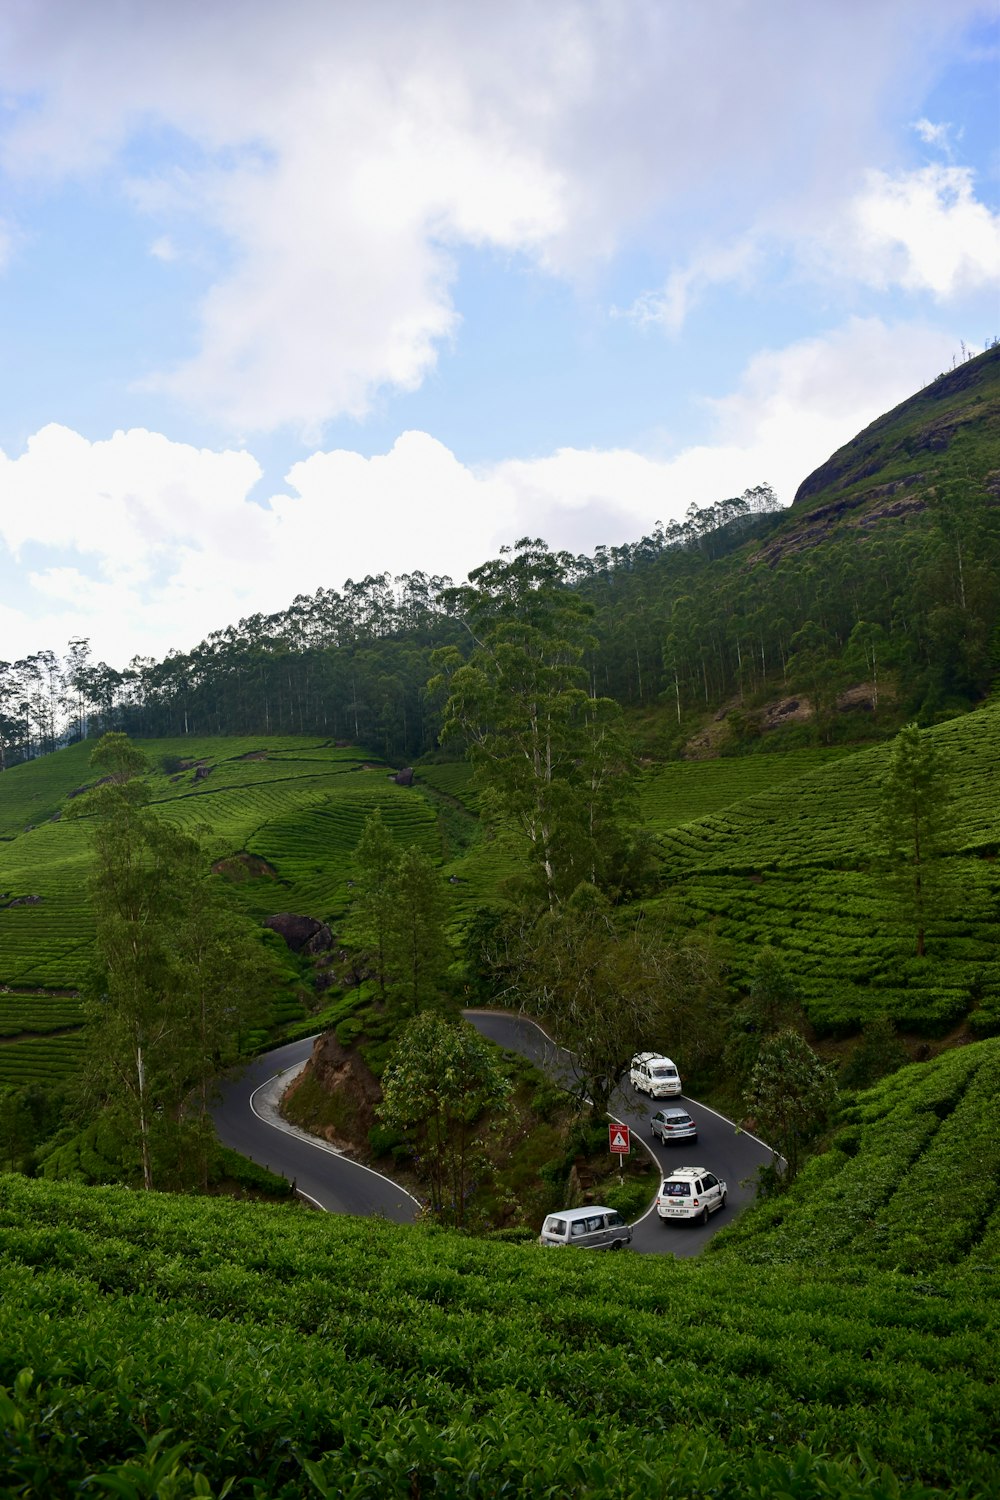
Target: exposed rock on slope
302	934
950	429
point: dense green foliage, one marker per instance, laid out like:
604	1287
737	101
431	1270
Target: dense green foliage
296	1354
884	572
442	1079
789	1096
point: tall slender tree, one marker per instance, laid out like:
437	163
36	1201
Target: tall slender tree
914	804
549	757
176	971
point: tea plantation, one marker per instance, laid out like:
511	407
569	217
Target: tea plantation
158	1346
791	866
765	849
289	810
910	1183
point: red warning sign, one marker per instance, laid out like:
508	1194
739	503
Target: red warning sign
618	1140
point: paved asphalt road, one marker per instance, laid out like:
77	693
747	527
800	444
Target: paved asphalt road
330	1180
339	1185
732	1156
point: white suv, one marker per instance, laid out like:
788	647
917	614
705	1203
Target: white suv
690	1193
654	1075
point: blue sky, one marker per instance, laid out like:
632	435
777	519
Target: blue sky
295	294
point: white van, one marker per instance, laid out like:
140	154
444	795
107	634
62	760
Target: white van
654	1074
590	1228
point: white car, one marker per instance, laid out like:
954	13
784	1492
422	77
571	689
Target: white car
653	1074
690	1193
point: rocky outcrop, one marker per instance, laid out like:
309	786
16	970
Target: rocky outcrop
302	934
334	1096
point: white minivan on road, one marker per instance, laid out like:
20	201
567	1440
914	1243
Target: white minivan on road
589	1228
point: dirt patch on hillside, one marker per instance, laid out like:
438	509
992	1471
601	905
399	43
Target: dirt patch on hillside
244	866
334	1097
708	742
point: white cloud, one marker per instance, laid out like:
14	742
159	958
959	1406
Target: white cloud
685	286
799	404
344	153
925	231
132	503
163	248
939	134
160	542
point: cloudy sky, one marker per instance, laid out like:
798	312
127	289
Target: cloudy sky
294	293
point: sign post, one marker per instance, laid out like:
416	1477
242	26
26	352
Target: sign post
619	1144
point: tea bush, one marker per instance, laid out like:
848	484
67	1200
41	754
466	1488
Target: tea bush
151	1345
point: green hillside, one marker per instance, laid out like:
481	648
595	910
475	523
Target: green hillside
170	1347
949	427
283	814
764	849
911	1181
947	433
790	866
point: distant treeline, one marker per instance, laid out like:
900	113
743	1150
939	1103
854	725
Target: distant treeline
686	619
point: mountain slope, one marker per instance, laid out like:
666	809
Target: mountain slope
947	432
910	1181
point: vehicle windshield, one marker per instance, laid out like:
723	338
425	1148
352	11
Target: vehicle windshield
677	1189
679	1120
555	1226
663	1072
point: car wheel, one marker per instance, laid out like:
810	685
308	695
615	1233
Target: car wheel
703	1216
723	1202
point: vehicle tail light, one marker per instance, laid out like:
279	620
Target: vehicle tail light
696	1203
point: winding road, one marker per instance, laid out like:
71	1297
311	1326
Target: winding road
246	1119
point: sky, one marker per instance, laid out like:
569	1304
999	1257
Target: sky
293	294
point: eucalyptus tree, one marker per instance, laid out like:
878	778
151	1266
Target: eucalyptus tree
549	757
375	860
177	975
416	947
910	829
